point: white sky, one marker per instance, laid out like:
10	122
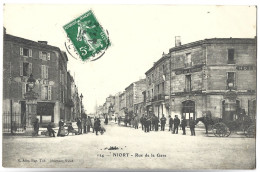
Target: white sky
139	35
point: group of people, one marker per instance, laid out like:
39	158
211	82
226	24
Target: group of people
152	122
83	124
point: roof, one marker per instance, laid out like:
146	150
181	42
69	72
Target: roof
16	39
215	41
165	56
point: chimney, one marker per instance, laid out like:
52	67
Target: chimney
177	41
43	42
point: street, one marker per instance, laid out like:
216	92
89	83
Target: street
131	148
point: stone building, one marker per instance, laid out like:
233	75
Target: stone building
122	104
158	87
48	64
217	75
117	105
134	97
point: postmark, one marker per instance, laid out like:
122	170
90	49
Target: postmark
86	37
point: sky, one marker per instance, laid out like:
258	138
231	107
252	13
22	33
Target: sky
139	35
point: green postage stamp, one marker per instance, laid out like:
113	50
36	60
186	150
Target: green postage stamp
87	36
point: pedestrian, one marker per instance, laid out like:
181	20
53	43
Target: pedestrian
36	127
176	123
163	122
192	126
61	123
50	130
97	125
106	121
79	126
88	123
119	120
142	121
132	122
183	125
115	119
84	124
152	123
147	124
92	124
156	122
170	123
136	121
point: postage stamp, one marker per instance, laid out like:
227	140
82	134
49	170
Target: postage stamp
87	36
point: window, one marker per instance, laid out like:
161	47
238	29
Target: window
46	92
152	93
188	60
25	68
152	77
230	80
162	87
25	52
188	83
44	71
149	80
44	55
158	88
231	58
163	68
148	95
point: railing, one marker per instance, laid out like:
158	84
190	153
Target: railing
17	122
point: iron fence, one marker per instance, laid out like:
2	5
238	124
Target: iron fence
17	125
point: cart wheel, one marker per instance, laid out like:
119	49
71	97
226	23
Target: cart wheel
250	132
221	130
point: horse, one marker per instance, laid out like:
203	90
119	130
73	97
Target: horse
207	121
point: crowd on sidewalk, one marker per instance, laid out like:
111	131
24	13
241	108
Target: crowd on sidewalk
84	126
152	123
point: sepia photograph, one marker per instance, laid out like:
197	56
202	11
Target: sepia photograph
130	86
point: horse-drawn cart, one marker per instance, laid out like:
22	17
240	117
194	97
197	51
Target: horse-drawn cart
242	125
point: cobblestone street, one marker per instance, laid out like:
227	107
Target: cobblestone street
134	149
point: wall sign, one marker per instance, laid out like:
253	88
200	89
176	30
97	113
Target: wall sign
248	67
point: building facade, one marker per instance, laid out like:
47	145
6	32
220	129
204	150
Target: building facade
122	104
134	97
158	87
217	75
48	65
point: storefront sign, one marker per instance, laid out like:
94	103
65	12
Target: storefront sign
249	67
185	71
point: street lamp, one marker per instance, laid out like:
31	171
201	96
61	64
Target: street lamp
81	97
31	105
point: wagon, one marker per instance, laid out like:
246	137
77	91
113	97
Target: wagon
220	128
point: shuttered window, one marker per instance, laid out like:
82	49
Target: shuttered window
44	71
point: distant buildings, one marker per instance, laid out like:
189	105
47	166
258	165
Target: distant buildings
216	75
58	95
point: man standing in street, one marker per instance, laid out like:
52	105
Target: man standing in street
163	122
136	121
183	125
79	126
176	123
142	121
156	121
192	126
146	124
88	124
170	123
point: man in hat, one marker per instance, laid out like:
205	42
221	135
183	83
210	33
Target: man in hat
176	123
170	123
192	126
163	122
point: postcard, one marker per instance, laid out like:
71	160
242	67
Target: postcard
140	87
